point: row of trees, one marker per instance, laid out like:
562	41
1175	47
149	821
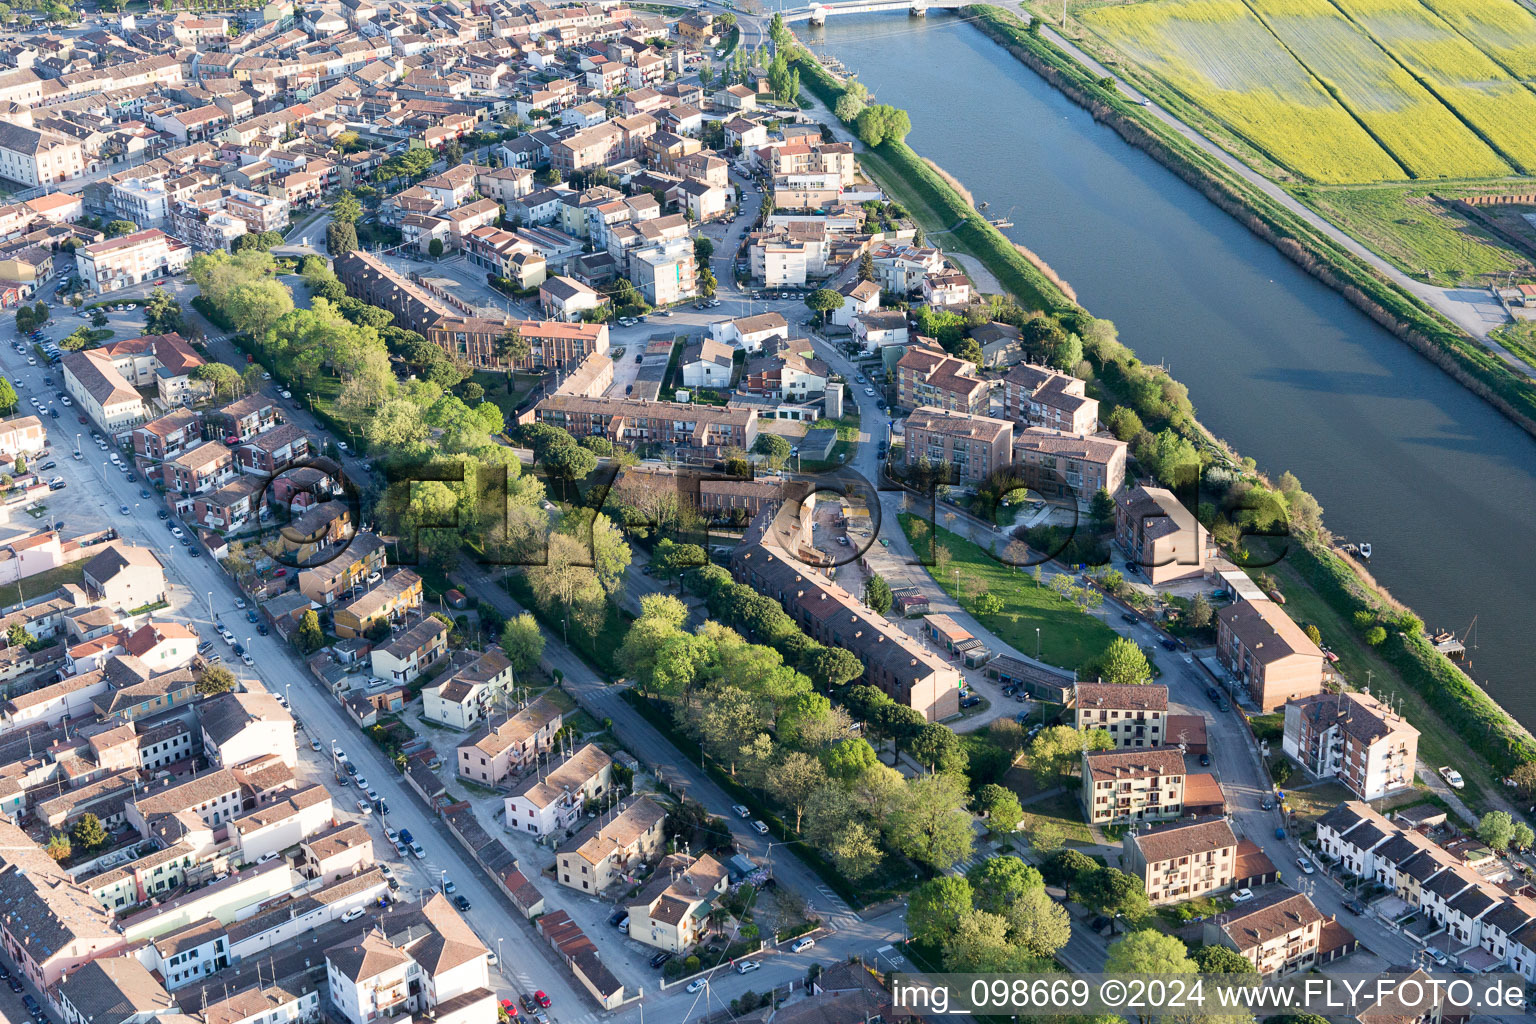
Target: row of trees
996	918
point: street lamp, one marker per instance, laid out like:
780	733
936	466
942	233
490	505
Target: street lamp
210	607
1037	643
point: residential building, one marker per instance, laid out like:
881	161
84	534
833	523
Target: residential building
1268	654
672	911
1183	861
551	343
22	434
1280	932
1134	715
124	577
104	396
859	297
167	436
785	370
411	652
197	470
751	332
974	446
893	661
1059	465
927	377
613	846
466	694
389	599
631	422
1354	737
707	363
418	961
1132	786
132	259
1159	535
1039	396
874	331
552	799
368	278
497	750
242	726
664	273
565	298
32	157
327	582
900	268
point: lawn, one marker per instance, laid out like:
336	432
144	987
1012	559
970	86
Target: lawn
42	583
1065	810
1067	636
496	390
1420	236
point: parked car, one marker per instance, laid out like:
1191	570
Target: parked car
542	999
406	837
353	914
1305	865
418	851
364	807
1279	833
760	828
695	985
1129	619
802	944
660	959
1205	760
741	811
1451	776
1354	906
1242	896
747	966
970	702
461	901
617	916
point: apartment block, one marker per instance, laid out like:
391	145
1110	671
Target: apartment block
1126	787
612	846
1133	715
631	422
974	446
551	343
551	801
1039	396
1183	861
1061	465
1355	738
132	259
926	377
1268	654
1280	933
1159	535
499	749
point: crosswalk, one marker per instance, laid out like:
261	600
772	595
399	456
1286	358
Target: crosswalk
974	859
829	897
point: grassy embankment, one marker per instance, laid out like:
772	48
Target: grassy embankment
1442	700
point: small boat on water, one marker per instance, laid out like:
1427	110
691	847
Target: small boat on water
1002	222
1365	550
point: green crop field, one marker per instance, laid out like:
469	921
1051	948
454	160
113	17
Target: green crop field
1495	104
1352	91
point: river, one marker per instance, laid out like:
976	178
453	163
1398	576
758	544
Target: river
1277	364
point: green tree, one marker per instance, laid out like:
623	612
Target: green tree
1375	635
1223	960
59	846
162	313
1047	837
1056	753
1124	663
523	643
1001	808
937	907
852	102
216	679
866	266
90	833
1496	829
1071	870
1149	952
309	637
225	380
435	248
1200	614
880	123
1102	510
877	594
346	209
8	398
118	228
340	237
773	447
1113	892
931	824
1522	837
937	748
824	301
703	249
17	636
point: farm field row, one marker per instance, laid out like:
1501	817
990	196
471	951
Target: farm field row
1348	91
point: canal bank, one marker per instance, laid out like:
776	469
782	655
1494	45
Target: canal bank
1277	363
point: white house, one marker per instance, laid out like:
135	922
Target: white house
707	364
549	801
859	297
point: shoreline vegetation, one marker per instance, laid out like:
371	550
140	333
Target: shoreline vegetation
1459	709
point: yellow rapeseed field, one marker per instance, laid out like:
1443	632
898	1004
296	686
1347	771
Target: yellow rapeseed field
1414	127
1503	29
1219	56
1299	79
1476	88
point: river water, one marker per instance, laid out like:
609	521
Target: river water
1277	364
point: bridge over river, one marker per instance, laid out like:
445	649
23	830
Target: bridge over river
819	12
